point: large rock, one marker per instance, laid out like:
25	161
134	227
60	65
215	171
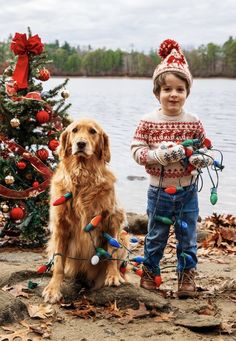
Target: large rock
11	309
128	296
12	278
194	321
137	223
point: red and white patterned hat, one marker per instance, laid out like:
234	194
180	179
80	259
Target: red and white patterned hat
172	60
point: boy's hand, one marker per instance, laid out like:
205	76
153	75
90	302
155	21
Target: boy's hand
169	152
200	160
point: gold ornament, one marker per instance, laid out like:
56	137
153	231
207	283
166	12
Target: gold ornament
9	179
2	220
4	207
26	155
65	94
15	122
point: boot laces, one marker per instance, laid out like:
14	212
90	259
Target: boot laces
187	276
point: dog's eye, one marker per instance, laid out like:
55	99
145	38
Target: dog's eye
75	130
92	131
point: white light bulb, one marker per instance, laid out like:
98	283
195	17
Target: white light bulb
95	260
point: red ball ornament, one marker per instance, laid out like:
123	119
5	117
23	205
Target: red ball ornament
21	165
43	75
35	184
42	116
42	154
53	144
17	213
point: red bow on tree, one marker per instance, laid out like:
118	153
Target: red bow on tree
22	46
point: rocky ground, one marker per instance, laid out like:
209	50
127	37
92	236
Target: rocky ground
127	312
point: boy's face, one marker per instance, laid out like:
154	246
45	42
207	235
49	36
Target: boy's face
173	95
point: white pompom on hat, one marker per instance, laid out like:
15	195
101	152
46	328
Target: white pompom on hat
172	60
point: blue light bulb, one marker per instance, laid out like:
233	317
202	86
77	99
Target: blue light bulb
112	241
183	224
138	259
134	240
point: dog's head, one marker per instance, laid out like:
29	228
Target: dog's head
84	138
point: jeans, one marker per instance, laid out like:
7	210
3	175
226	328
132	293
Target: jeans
182	209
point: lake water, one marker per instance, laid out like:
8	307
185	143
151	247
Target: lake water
118	104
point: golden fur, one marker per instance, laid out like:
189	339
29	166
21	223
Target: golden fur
84	153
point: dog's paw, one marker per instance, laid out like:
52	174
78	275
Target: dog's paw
51	294
113	280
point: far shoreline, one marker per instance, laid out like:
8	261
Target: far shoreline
131	77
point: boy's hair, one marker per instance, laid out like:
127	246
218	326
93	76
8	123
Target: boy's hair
161	80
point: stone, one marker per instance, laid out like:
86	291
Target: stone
194	321
11	309
137	223
128	296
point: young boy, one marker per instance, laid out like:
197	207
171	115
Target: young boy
157	146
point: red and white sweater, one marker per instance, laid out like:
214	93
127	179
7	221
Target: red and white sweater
157	127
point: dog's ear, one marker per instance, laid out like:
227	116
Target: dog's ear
64	146
105	153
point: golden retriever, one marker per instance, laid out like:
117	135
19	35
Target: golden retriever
84	154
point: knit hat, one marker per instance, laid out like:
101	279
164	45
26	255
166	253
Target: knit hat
172	60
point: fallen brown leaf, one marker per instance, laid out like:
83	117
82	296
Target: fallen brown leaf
83	309
16	290
21	334
209	310
137	313
164	317
41	311
84	313
114	311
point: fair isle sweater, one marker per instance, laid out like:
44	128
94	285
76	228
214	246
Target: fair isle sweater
155	128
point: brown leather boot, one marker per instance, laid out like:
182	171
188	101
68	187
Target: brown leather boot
186	285
147	280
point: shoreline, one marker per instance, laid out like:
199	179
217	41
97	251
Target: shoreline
130	77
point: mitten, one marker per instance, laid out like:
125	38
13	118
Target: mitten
169	152
201	160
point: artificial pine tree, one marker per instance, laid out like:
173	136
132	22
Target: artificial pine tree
31	121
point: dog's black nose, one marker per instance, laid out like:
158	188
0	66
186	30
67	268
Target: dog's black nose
81	145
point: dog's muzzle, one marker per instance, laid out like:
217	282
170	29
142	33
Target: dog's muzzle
79	147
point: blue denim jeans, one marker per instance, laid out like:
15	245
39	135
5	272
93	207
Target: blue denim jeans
179	207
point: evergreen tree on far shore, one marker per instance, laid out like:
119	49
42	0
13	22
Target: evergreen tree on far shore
210	60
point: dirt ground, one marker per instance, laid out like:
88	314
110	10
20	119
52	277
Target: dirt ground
210	316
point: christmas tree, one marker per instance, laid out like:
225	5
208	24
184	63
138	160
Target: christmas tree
31	121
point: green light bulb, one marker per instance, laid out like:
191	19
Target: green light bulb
190	142
164	220
214	196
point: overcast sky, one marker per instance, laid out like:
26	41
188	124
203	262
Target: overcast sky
125	24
